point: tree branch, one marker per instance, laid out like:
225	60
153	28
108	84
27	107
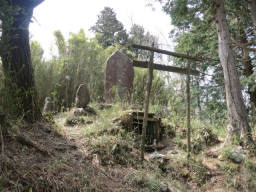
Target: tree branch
245	60
243	46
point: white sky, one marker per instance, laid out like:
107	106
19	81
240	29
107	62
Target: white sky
73	15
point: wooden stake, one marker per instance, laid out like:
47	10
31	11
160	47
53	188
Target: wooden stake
188	110
146	103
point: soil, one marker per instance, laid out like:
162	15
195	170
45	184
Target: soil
67	167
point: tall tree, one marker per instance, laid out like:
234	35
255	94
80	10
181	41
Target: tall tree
196	32
138	36
237	114
19	75
61	44
109	30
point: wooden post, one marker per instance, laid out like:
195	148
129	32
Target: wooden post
188	110
146	103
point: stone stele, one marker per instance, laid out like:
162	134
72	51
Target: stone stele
82	96
119	76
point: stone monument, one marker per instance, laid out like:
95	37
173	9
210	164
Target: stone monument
119	76
82	96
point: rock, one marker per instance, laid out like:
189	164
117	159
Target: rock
73	120
164	187
83	111
156	156
221	157
116	120
213	180
170	154
90	111
95	160
47	105
78	111
212	154
237	155
82	96
119	76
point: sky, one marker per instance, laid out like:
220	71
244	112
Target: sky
73	15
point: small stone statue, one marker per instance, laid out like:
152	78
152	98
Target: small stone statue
47	105
82	96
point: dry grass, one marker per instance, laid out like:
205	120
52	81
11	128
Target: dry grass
67	168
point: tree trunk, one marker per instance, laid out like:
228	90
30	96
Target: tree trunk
16	58
237	115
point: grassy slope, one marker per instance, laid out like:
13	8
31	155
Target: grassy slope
97	155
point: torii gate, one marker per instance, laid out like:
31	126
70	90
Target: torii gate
151	65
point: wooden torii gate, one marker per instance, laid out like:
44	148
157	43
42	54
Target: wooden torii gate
151	65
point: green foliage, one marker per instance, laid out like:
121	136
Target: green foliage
229	167
73	120
195	34
250	164
226	152
46	72
159	93
139	36
144	180
203	137
200	172
109	31
80	60
61	44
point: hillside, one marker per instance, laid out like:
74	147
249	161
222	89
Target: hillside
94	153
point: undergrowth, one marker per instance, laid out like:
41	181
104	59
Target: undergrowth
101	136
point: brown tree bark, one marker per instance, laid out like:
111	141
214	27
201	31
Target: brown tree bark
237	115
16	58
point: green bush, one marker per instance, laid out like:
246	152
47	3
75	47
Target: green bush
73	120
